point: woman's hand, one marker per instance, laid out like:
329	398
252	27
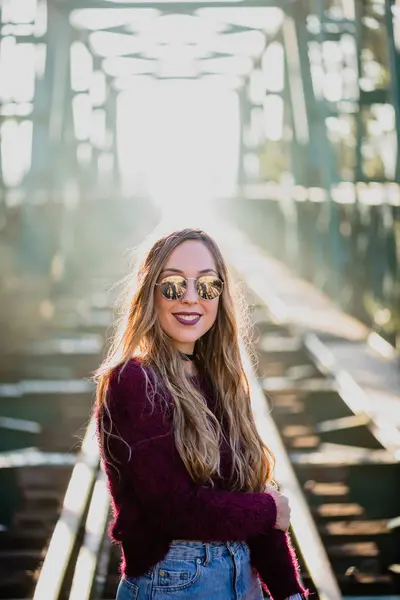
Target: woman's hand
282	508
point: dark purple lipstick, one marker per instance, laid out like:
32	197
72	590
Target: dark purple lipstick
187	318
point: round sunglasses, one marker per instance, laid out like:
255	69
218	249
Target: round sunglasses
208	287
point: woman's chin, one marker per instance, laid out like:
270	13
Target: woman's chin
186	338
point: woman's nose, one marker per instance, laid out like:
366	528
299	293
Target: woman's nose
191	292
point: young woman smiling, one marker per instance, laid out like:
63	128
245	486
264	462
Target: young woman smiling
190	478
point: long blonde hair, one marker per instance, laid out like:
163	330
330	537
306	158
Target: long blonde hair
197	430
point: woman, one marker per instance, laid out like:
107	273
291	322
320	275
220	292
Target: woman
187	471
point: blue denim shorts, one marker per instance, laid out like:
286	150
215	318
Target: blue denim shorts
196	570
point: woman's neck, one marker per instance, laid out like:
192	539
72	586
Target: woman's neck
190	368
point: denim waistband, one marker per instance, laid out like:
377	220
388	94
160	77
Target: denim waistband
205	550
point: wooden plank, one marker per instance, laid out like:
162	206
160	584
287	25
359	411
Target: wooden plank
20	425
32	387
269	343
33	457
351	422
355	528
82	344
336	455
288	385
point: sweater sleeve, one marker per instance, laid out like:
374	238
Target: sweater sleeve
157	476
274	559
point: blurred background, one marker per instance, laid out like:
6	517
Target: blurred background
286	115
280	118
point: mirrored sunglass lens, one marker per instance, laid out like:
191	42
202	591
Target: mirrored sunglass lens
173	288
209	288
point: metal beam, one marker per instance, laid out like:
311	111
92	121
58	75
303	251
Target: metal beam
51	152
141	55
231	29
358	171
111	126
30	39
394	62
49	108
175	78
172	7
1	119
244	121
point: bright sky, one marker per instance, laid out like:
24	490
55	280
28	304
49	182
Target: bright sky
179	136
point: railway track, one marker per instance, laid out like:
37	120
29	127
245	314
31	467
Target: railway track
338	465
349	481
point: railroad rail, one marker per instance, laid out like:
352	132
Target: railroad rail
325	399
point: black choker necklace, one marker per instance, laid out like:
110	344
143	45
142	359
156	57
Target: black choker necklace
188	356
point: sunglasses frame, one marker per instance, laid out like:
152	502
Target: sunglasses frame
193	279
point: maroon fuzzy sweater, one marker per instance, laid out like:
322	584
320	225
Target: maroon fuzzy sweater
154	500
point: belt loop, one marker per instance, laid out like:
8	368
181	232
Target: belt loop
208	554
